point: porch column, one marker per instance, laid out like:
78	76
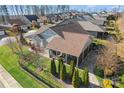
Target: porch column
56	54
49	53
77	62
102	35
88	49
66	58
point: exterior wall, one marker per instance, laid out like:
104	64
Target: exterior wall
56	54
23	18
93	34
48	35
85	53
100	35
44	38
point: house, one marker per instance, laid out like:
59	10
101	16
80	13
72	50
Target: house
18	19
51	18
31	17
2	30
70	39
89	27
41	37
94	19
93	29
2	33
43	20
70	45
58	40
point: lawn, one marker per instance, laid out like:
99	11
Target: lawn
10	62
45	74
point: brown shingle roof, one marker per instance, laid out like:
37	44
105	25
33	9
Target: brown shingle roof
42	29
17	21
43	18
88	26
73	27
72	43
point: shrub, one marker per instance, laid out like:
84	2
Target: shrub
99	72
107	83
111	17
83	77
86	78
72	68
108	72
63	73
53	67
75	79
60	64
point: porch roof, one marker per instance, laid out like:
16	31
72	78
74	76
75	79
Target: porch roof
72	43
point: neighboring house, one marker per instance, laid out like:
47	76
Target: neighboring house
2	30
88	27
32	17
93	29
2	33
51	18
18	19
41	37
94	20
54	18
42	20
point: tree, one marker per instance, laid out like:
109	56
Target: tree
111	17
5	13
75	79
83	77
107	60
60	64
72	67
53	67
63	73
86	77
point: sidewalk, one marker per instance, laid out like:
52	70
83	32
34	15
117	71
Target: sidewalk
6	80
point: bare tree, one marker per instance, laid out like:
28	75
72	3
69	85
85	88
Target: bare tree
108	60
5	13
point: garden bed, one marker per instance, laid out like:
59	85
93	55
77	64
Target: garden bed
45	76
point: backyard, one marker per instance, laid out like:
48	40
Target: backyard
43	78
10	62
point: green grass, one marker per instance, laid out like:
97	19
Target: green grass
47	76
10	62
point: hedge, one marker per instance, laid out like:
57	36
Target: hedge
75	79
63	73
